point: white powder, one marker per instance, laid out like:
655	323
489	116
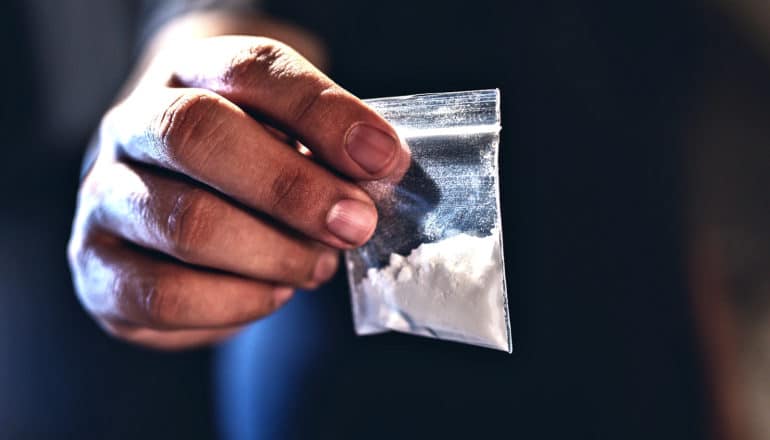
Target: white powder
451	289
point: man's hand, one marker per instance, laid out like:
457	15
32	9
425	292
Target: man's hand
199	215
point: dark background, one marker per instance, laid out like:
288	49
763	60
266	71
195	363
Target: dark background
595	97
60	375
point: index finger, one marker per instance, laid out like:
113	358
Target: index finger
272	79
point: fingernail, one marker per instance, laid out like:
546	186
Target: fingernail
325	267
370	147
352	221
282	294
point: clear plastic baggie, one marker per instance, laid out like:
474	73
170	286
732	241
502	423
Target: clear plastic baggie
435	266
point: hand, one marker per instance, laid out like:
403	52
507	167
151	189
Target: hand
198	217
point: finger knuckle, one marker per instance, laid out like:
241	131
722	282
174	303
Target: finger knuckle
269	50
295	268
186	128
264	59
289	191
272	60
189	223
306	104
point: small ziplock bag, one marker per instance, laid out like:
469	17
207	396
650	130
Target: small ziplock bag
434	266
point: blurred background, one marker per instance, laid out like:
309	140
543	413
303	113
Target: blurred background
60	376
636	153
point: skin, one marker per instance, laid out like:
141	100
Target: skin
227	175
